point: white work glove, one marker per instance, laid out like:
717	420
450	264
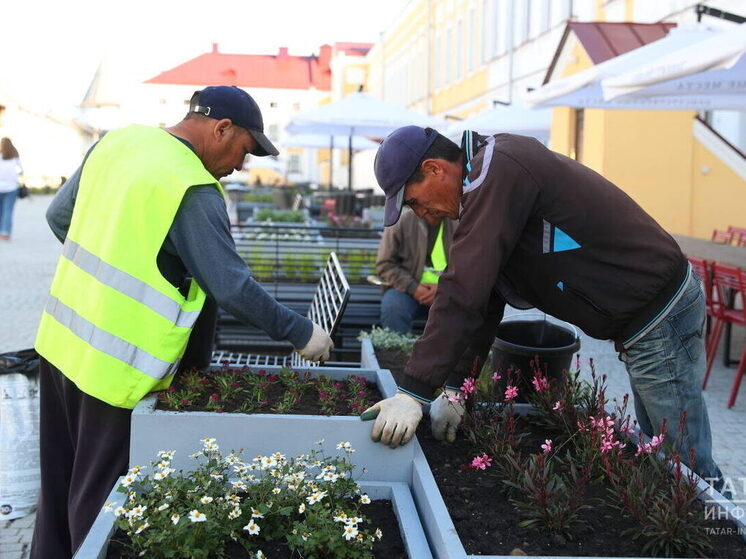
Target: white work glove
319	347
396	419
445	414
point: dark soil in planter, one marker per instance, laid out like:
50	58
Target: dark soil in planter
487	522
394	360
308	404
380	513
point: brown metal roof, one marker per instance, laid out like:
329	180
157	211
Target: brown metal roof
604	40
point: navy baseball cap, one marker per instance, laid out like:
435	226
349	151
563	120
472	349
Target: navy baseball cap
228	101
396	161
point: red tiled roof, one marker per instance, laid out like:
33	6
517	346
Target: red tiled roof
281	71
353	49
604	40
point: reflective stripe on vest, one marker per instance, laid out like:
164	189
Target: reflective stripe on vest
431	274
108	343
131	286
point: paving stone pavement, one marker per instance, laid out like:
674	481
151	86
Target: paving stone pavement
27	265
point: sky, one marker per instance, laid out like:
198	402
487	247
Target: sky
51	48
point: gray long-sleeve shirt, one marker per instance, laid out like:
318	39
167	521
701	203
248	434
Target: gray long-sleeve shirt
200	244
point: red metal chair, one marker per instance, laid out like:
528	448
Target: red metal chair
724	237
739	235
727	280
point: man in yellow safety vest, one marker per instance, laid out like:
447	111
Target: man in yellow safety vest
146	243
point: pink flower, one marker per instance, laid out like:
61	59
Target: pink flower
455	398
657	440
557	405
511	392
481	462
469	386
496	376
540	383
547	446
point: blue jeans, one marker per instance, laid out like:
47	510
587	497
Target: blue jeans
7	201
399	310
665	369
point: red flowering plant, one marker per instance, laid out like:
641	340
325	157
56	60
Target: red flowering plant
570	454
239	390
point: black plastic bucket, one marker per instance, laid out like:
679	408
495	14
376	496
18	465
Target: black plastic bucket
521	340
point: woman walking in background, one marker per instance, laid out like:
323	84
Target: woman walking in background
10	173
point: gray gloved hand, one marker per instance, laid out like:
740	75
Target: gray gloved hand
396	421
446	414
319	347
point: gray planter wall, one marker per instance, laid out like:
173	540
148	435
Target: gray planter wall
368	359
96	542
154	430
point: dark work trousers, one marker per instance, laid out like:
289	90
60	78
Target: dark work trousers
84	448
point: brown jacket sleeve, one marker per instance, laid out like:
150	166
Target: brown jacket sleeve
466	313
390	266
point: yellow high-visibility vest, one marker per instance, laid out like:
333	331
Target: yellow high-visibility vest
113	324
431	274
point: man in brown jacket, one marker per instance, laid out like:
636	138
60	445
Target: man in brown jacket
411	256
539	227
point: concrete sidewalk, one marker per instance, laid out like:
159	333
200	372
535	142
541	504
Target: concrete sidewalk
27	265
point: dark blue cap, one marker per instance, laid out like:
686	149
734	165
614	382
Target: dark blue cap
228	101
396	161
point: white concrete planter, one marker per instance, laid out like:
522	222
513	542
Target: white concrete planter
96	543
442	534
154	430
368	359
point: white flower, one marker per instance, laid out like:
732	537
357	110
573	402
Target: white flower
331	477
159	476
205	500
260	555
207	440
163	506
169	454
141	527
129	479
268	462
235	513
119	511
175	518
134	470
346	446
320	442
276	491
252	528
163	464
378	533
216	476
341	517
233	498
364	499
108	506
256	513
136	512
196	516
279	457
238	485
196	454
316	497
355	520
350	532
302	508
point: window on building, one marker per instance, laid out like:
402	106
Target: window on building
520	21
579	134
438	66
273	132
294	163
459	48
273	104
471	40
486	31
497	27
448	54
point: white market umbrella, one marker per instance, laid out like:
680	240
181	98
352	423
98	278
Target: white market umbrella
715	66
321	141
514	119
358	114
583	90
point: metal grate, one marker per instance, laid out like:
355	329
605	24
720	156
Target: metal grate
326	309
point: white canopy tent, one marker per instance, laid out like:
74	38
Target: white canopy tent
714	66
584	90
514	119
358	114
321	141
